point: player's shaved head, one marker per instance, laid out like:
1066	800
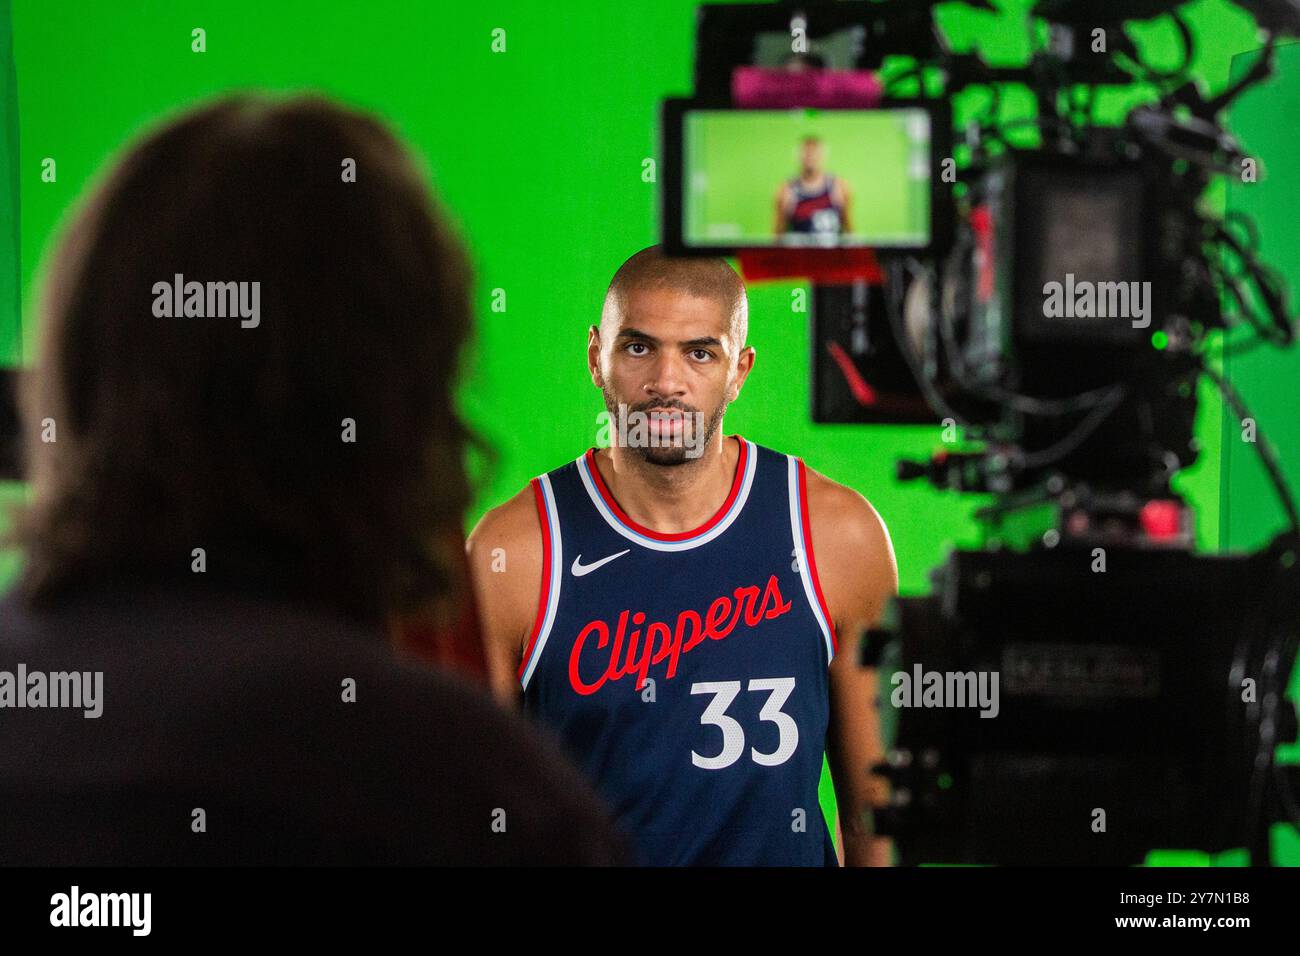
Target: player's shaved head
672	340
705	278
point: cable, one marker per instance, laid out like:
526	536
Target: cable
1025	404
1237	217
1267	282
1145	73
932	395
891	84
1070	442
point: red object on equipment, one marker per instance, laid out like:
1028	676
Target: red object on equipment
859	386
824	266
1162	519
774	88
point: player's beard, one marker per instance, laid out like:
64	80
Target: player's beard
668	455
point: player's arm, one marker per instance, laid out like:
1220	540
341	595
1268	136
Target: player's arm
845	203
858	575
782	205
505	564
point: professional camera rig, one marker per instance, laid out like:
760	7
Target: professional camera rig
1059	317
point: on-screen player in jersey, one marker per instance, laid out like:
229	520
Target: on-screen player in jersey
814	203
682	612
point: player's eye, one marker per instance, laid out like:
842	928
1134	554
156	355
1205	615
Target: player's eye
631	348
701	355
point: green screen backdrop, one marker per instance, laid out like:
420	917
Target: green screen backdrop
540	155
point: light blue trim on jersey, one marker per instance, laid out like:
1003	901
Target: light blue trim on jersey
557	575
801	546
751	463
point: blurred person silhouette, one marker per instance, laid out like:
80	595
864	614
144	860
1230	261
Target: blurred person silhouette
814	202
247	485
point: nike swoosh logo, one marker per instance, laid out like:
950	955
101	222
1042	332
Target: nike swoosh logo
579	569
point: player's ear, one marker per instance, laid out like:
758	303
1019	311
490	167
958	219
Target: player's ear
593	356
744	365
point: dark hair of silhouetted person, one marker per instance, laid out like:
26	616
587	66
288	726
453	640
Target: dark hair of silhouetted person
184	433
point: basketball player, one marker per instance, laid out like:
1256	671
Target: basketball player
814	203
686	623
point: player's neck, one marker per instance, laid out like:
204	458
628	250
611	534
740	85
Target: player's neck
671	498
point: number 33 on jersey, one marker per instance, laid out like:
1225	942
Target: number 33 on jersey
687	673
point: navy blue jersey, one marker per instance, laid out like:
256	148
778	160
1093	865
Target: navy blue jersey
687	673
815	210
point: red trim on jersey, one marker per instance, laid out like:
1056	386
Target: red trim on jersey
619	513
544	597
804	208
808	544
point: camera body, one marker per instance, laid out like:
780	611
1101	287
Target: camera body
1121	718
1071	275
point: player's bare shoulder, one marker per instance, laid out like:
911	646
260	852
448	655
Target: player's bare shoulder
843	515
505	561
853	550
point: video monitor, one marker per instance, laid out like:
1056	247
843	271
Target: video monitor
800	178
